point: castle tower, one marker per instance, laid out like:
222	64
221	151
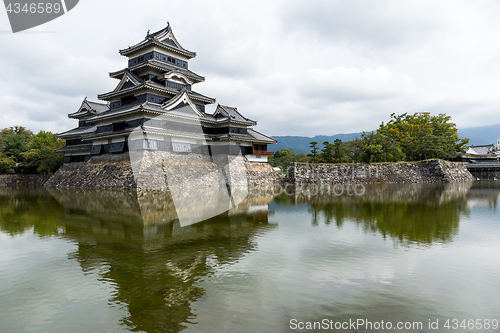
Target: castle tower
157	82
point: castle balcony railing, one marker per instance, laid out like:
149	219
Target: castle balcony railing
262	152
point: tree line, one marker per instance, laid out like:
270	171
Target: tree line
22	151
404	138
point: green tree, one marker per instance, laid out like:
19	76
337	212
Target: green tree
421	136
391	151
23	152
326	155
314	150
42	158
282	158
372	150
354	150
14	144
7	164
43	138
339	151
303	158
17	130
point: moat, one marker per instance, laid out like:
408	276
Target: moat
122	261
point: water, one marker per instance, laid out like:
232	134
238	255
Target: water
111	261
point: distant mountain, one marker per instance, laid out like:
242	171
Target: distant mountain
300	144
483	135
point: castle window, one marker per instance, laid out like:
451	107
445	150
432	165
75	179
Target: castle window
128	100
118	127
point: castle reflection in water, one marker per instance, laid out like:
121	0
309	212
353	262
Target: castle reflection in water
156	262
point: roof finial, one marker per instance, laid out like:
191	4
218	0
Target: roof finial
147	34
168	24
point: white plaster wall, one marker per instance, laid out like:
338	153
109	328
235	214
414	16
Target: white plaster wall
256	158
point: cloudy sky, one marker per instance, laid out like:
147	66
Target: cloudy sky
297	67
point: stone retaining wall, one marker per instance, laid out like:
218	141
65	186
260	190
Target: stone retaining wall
160	170
23	180
485	173
102	171
432	171
261	174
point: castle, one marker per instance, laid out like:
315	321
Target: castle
155	95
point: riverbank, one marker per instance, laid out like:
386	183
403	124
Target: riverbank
430	171
116	172
159	170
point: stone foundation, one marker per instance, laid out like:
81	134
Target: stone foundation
432	171
261	174
161	171
102	171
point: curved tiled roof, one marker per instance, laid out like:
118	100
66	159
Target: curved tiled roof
89	108
153	63
77	131
163	38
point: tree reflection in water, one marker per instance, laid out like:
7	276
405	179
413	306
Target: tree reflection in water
408	213
135	242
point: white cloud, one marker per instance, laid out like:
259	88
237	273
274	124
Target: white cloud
296	68
352	84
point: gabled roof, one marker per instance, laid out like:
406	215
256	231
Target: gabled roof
163	38
176	75
232	114
182	99
261	137
89	108
161	66
128	77
481	150
146	107
157	87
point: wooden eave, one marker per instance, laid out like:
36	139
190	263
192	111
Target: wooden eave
163	69
105	135
127	91
167	132
231	138
85	105
155	42
147	85
82	148
79	116
140	109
